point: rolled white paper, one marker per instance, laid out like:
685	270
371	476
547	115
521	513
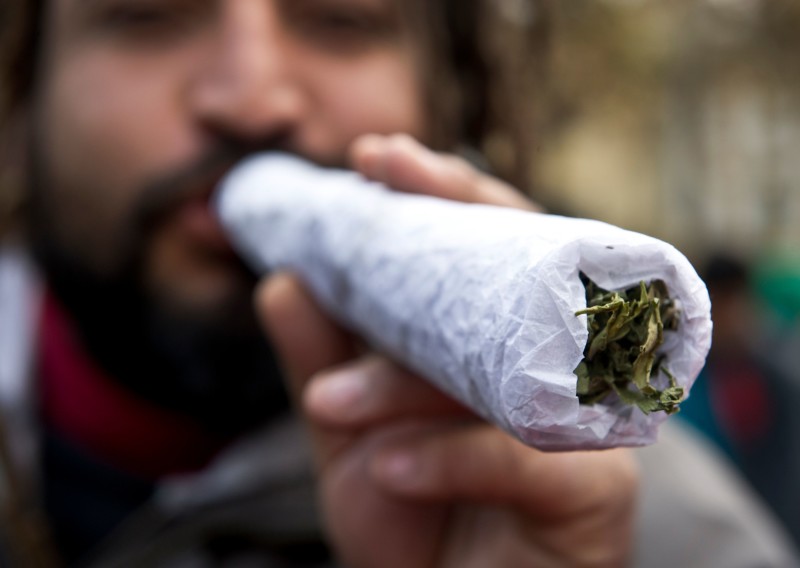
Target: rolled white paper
478	299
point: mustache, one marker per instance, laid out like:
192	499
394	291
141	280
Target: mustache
160	197
196	180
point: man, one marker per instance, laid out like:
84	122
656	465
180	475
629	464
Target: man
150	372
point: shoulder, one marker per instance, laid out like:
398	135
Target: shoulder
246	507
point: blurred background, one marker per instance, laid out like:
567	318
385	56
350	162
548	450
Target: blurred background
681	119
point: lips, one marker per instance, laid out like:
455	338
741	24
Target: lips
183	209
198	223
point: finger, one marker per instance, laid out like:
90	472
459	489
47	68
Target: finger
403	164
480	463
371	391
306	342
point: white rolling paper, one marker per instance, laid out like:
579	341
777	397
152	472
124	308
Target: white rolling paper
480	300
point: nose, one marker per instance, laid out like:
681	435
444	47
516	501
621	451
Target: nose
245	89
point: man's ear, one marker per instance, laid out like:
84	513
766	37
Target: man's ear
14	159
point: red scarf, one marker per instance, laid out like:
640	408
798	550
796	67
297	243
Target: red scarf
112	424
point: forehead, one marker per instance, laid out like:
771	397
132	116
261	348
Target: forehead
81	6
102	19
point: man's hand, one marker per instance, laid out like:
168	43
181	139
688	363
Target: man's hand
403	164
408	477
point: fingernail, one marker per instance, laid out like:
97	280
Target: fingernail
398	469
338	395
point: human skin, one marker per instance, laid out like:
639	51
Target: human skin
134	92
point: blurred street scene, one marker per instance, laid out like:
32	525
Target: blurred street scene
681	119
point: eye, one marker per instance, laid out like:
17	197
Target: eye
339	24
159	20
344	21
137	16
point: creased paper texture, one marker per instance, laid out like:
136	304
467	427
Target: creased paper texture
478	299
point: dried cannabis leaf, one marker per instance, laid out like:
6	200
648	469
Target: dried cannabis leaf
625	330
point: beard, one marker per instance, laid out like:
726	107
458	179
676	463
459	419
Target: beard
214	364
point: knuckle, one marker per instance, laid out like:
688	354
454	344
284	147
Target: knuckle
463	171
445	468
401	142
466	460
617	488
383	370
628	475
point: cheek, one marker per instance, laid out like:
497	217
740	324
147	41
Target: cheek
380	95
105	126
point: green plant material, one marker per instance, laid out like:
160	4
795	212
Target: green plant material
626	329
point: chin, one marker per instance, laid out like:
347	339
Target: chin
219	297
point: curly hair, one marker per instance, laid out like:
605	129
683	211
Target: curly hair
19	22
18	25
487	58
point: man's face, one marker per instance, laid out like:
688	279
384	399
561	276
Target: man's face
141	105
